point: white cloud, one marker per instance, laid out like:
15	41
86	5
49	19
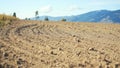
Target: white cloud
74	8
46	9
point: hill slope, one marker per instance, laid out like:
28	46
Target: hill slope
34	44
7	17
99	16
93	16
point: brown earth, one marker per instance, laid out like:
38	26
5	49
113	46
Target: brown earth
40	44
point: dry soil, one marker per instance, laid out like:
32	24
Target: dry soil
45	44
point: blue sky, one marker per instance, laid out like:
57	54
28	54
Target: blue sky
27	8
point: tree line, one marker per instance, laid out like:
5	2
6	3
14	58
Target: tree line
37	17
46	18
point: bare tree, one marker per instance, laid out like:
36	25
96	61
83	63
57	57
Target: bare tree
36	15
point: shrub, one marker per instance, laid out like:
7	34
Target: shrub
14	14
63	19
4	18
46	19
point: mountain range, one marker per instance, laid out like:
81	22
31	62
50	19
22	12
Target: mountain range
93	16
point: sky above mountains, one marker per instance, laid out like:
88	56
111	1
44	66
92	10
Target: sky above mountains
27	8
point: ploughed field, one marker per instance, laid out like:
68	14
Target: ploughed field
45	44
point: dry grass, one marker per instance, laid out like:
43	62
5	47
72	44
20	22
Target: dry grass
6	19
39	44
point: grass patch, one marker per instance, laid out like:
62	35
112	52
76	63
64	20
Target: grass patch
6	19
2	23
